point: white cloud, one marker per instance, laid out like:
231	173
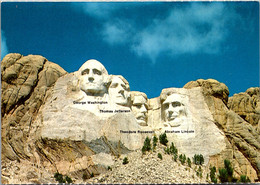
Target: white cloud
117	32
4	49
97	10
197	28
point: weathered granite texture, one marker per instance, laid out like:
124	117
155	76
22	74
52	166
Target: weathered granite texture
247	106
81	122
25	81
242	140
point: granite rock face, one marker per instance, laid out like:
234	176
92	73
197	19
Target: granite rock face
187	121
90	117
247	106
242	140
211	87
76	128
80	123
25	81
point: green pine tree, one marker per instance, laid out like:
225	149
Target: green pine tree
159	156
244	179
189	162
125	160
163	139
155	140
147	145
213	174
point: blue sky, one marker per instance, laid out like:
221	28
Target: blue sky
154	45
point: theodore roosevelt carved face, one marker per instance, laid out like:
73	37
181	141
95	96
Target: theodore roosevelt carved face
139	107
119	90
93	78
173	110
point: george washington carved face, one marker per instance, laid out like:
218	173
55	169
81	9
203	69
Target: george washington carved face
93	77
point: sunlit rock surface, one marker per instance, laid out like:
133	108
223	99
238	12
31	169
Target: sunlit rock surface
79	123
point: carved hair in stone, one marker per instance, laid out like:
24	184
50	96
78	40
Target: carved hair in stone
139	107
119	90
173	109
93	78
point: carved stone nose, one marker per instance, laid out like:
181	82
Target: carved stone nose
91	79
143	109
170	109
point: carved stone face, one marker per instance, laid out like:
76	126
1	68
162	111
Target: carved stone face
92	77
173	110
119	91
139	109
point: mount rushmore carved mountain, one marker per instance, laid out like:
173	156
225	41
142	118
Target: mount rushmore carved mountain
81	123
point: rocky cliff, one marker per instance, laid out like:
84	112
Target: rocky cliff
242	139
247	106
80	123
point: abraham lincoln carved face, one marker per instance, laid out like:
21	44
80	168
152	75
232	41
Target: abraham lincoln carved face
173	110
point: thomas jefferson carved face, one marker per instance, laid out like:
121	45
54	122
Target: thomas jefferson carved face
139	109
173	110
119	90
93	77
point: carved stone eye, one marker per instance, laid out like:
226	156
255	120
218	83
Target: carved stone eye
166	106
113	85
124	87
86	71
96	72
176	104
138	106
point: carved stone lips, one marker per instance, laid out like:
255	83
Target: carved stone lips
91	84
141	117
171	118
120	96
